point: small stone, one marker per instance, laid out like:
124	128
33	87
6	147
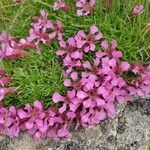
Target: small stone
104	125
142	105
111	139
4	143
146	106
134	145
121	127
127	147
103	146
74	146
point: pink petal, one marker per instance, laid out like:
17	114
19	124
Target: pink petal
37	136
94	29
99	101
79	4
117	54
12	110
83	1
92	2
89	86
99	36
71	115
110	110
114	82
104	44
80	35
67	82
57	97
98	116
81	94
125	66
63	108
60	52
71	94
2	94
101	90
87	65
92	47
22	114
112	63
2	120
38	104
62	44
23	41
29	124
77	55
79	13
63	132
121	99
100	54
52	35
72	42
96	62
87	103
39	122
85	118
43	13
114	44
74	76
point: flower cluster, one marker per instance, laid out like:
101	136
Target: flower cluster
4	81
84	7
10	48
43	31
94	85
35	120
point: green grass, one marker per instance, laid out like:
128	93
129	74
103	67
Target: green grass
39	76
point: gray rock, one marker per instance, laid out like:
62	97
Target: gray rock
129	130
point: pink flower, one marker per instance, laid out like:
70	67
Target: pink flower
85	7
12	123
5	91
3	113
60	4
9	48
137	10
63	132
87	42
4	81
57	97
43	30
70	48
111	51
34	119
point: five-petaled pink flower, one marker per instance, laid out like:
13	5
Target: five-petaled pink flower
85	7
60	4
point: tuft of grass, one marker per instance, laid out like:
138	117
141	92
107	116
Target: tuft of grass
38	76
